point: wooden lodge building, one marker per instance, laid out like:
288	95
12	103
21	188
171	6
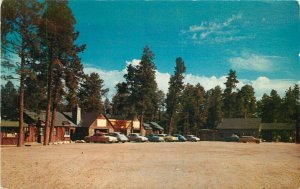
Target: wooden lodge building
34	125
95	122
284	132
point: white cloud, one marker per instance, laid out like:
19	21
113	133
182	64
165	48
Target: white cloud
215	32
253	62
261	84
264	85
134	63
206	82
162	80
111	78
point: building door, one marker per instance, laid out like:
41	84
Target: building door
72	134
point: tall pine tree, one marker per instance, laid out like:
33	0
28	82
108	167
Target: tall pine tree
19	39
229	95
174	93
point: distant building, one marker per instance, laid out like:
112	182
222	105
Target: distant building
239	126
34	126
98	122
253	127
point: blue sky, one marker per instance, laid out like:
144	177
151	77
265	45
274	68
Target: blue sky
260	40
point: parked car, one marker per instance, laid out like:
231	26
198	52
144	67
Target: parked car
101	137
192	138
232	138
168	138
155	138
137	137
245	139
181	138
121	137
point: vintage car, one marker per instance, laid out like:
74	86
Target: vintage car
232	138
100	137
192	138
137	137
121	137
181	138
155	138
168	138
245	139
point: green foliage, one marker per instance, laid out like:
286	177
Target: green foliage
269	107
35	93
229	95
245	105
91	92
9	102
19	40
142	86
174	93
214	103
193	111
121	104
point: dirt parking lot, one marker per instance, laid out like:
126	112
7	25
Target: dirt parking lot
152	165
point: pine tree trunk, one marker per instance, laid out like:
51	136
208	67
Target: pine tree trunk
142	121
21	121
49	97
53	118
170	124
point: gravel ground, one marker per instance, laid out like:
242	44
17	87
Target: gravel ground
152	165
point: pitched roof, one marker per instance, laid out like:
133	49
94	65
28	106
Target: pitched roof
240	123
121	124
154	125
60	120
147	126
88	118
277	126
9	123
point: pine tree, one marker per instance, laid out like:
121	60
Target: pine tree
9	102
215	114
58	37
269	107
19	38
174	93
142	86
229	95
248	101
91	93
121	105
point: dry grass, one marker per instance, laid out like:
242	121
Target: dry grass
152	165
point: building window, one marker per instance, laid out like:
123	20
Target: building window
41	130
67	132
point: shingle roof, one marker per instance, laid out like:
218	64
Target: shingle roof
6	123
61	119
88	118
147	126
156	126
277	126
240	123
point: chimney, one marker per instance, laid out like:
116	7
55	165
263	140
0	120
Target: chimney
76	115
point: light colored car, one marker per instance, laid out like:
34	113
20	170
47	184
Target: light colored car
121	137
137	137
168	138
101	137
245	139
192	138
